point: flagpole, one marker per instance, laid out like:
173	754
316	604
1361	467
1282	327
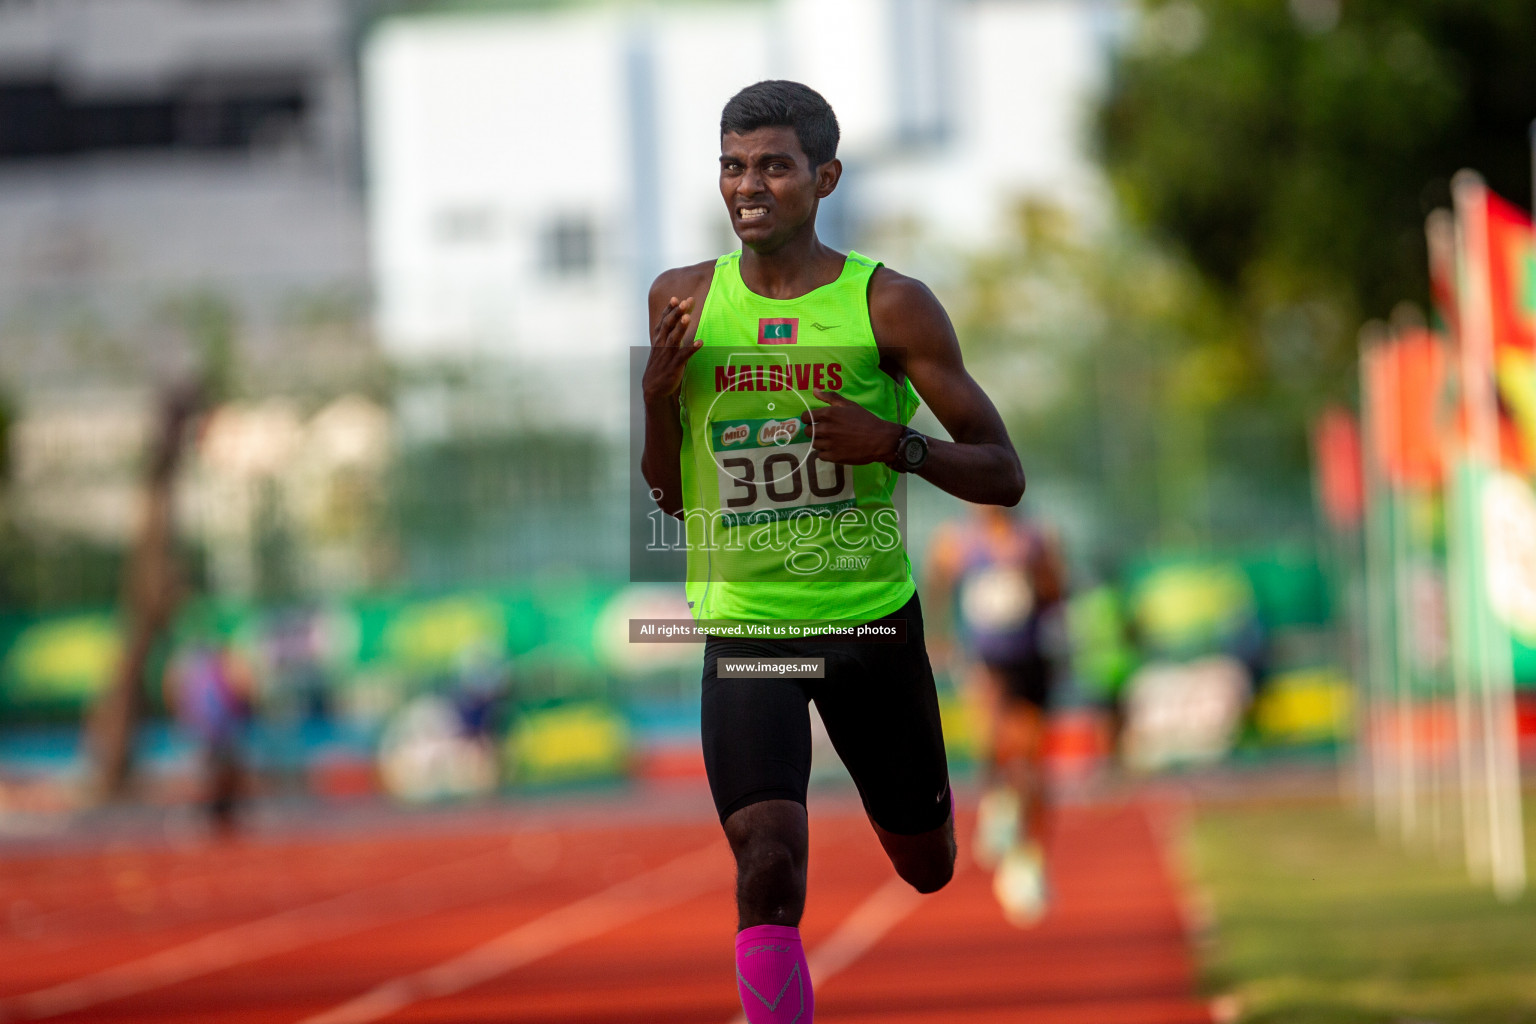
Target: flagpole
1400	568
1378	606
1440	235
1472	808
1495	669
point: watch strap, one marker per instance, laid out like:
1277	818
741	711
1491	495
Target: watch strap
899	461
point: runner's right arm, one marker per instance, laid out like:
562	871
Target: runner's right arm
674	302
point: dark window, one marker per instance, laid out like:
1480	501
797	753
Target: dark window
39	119
33	121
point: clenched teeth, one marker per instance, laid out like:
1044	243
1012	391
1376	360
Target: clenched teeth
752	212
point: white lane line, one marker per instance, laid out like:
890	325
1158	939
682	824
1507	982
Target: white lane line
287	930
866	925
629	900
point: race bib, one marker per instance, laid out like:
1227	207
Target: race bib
767	470
997	599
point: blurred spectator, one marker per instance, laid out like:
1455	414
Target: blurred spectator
446	744
481	692
295	700
297	666
209	689
1103	650
1206	655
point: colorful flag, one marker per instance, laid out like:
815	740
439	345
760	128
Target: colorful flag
1408	377
778	330
1511	284
1340	475
1498	388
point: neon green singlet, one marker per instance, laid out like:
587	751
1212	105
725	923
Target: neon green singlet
773	532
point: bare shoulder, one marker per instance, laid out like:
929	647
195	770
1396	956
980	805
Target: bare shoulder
904	311
680	283
897	293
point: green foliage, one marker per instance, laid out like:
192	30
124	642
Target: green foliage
1293	150
57	574
479	510
7	420
1121	371
47	574
209	321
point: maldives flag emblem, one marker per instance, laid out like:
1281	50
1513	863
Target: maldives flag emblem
778	330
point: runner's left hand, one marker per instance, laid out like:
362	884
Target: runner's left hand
846	432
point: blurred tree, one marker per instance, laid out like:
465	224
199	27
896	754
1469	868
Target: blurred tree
154	584
483	509
50	572
7	417
209	322
1293	149
1112	360
10	546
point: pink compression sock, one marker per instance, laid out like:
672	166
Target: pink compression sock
772	976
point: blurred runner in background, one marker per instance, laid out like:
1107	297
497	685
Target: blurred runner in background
208	689
1002	580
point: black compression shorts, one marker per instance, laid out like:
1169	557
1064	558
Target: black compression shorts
1029	679
880	708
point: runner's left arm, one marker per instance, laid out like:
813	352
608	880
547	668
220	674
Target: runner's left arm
914	332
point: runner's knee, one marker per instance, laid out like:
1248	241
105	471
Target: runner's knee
769	840
770	883
930	872
769	863
925	862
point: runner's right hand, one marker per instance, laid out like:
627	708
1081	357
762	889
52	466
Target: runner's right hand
669	354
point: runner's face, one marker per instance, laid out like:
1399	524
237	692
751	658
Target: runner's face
769	185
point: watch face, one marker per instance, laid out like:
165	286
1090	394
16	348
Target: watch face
913	451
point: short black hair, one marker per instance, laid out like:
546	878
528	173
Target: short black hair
778	103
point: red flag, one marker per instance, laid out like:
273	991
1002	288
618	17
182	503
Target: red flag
1495	331
1514	340
1336	458
1407	378
1510	271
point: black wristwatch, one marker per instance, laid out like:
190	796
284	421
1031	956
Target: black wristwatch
911	452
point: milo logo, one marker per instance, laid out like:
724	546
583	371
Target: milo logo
735	435
778	431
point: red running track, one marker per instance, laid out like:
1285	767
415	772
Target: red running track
577	922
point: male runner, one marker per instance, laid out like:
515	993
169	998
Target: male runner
1006	578
776	395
